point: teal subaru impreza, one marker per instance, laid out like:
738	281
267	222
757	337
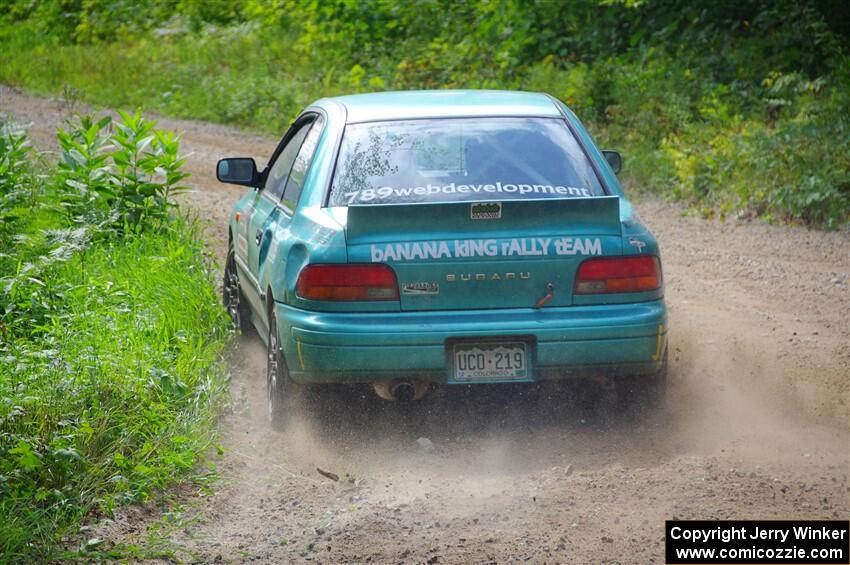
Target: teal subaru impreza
416	239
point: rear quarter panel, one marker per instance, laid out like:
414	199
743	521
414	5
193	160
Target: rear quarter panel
312	235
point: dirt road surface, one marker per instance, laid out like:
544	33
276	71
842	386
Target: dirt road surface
756	424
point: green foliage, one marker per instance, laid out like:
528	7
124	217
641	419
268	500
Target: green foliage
119	178
721	104
790	167
110	338
15	178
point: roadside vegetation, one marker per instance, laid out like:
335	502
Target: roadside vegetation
111	332
734	108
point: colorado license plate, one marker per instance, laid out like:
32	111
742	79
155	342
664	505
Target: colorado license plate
490	361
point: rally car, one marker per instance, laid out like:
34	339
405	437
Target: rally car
417	239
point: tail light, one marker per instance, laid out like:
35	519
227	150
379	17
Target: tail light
636	273
347	283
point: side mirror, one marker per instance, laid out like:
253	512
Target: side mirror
238	170
614	160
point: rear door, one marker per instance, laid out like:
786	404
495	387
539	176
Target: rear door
479	255
262	223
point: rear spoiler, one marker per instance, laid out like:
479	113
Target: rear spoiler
598	215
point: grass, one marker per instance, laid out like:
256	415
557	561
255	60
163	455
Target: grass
111	371
181	77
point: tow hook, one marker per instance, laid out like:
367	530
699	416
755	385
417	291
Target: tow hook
550	294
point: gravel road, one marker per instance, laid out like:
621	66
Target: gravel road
756	424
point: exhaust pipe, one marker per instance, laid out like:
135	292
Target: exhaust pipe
401	390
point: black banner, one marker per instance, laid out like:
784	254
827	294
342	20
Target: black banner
758	542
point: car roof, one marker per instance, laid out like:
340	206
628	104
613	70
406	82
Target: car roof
414	104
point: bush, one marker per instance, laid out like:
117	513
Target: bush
111	336
15	180
119	175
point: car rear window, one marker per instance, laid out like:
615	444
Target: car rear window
448	160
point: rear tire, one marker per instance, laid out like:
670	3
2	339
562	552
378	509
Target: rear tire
281	391
232	297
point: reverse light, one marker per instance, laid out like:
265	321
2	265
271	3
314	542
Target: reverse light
634	273
347	283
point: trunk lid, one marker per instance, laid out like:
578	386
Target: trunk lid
471	255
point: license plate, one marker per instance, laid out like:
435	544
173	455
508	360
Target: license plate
490	361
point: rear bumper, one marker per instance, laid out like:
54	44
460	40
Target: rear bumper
572	341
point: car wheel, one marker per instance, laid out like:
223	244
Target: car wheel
644	392
280	389
232	293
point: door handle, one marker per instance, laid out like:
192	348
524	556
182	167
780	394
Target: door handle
258	237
